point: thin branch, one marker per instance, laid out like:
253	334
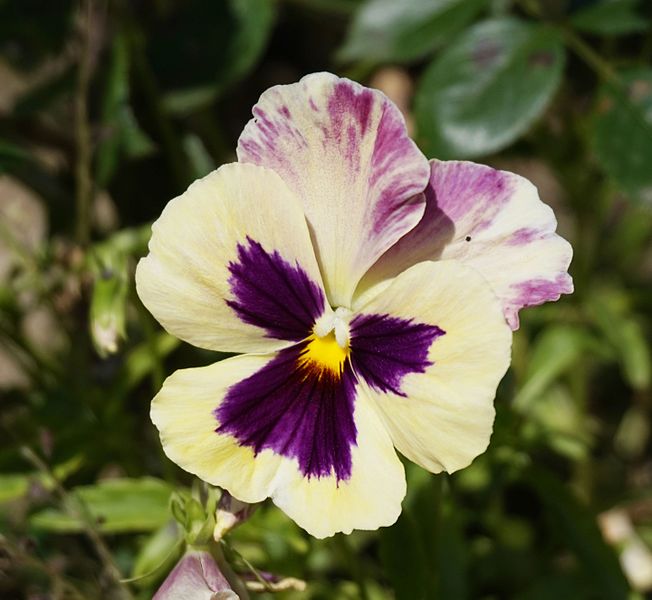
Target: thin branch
78	511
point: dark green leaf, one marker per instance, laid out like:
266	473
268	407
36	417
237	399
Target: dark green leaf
222	41
487	88
622	135
403	558
404	30
610	17
576	526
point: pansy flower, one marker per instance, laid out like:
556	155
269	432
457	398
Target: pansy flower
371	296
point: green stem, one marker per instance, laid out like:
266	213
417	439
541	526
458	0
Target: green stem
602	67
83	180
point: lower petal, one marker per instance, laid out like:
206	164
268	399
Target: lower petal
370	498
249	424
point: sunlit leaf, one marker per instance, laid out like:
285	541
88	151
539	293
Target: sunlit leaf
117	505
554	352
404	30
487	88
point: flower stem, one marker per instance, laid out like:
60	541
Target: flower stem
83	179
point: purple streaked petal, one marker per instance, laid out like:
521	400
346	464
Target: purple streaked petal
384	349
297	411
272	294
493	221
344	150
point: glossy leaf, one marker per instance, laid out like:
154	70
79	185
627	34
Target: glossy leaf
404	30
488	88
622	131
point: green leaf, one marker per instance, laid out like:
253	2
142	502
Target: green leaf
16	485
404	30
403	558
622	131
142	359
222	41
577	528
488	87
408	548
13	486
117	505
158	555
555	351
610	17
11	155
624	332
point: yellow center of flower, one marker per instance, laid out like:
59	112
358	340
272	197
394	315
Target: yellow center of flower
324	354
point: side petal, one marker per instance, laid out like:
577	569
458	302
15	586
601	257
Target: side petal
344	150
231	266
493	221
259	428
436	399
184	413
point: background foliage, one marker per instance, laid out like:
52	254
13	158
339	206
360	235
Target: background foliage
110	108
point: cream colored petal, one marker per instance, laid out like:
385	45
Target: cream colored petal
444	417
370	499
185	413
230	264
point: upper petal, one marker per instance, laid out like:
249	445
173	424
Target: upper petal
491	220
230	264
439	410
345	150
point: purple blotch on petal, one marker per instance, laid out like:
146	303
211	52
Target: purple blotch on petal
538	291
296	410
384	349
270	293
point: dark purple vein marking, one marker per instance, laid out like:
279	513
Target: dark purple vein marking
272	294
384	349
298	411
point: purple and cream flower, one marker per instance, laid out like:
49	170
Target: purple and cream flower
370	293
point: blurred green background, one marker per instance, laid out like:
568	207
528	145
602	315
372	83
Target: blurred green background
110	108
